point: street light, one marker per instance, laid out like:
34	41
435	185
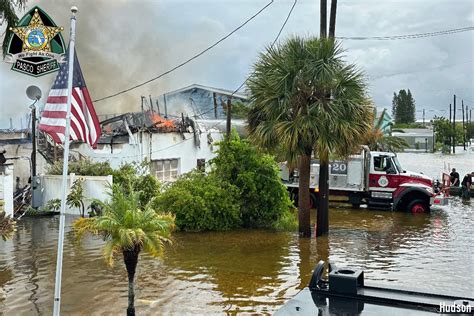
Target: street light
34	93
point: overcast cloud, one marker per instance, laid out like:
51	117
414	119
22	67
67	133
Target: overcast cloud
121	43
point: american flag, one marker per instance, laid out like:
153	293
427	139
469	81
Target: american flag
84	121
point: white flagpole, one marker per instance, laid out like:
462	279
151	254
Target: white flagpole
59	260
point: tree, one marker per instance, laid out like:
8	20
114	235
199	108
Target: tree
256	176
292	112
7	8
128	229
443	129
403	107
377	140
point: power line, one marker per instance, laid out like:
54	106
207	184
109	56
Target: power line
273	43
407	36
188	60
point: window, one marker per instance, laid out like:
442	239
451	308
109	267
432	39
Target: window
165	169
384	164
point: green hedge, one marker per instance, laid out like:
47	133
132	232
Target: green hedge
201	202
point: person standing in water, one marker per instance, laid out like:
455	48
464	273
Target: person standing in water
466	186
454	178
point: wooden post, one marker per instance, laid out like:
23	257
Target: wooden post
323	18
215	104
454	125
229	110
332	19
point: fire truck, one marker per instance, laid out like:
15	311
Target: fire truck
373	178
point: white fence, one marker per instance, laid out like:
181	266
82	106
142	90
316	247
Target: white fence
93	188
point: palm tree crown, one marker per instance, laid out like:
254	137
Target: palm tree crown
305	97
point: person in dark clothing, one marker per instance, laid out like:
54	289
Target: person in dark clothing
466	186
454	178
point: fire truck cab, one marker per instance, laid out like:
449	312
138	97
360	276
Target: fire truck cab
373	178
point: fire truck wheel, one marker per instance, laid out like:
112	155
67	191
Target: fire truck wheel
417	206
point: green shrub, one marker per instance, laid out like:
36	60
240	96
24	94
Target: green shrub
148	188
82	167
133	177
201	203
263	197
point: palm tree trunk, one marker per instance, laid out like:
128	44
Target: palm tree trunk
303	196
322	222
130	258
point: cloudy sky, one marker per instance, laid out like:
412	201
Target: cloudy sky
122	43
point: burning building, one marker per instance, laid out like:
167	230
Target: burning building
172	145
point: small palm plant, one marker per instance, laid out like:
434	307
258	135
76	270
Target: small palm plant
128	228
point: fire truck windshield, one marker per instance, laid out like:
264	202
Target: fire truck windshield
397	164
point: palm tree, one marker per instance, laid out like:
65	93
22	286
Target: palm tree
376	139
7	10
7	226
305	99
128	229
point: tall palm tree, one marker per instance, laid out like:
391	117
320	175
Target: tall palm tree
7	13
128	229
305	99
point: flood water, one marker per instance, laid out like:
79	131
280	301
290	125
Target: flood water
253	271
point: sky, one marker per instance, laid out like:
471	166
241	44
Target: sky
123	43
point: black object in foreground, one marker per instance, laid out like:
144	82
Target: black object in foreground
344	293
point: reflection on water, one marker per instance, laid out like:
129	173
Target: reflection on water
240	271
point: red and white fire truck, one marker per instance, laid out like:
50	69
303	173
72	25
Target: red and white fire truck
373	178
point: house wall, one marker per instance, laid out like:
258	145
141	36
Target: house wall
193	102
155	146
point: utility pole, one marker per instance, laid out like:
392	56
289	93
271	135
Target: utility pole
463	130
423	117
323	18
322	216
454	125
33	141
229	110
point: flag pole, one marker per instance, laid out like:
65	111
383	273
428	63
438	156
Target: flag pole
59	260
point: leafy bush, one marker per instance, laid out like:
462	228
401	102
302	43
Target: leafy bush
132	177
288	221
83	167
201	203
264	199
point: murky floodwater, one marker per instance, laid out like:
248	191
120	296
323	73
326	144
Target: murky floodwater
246	270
